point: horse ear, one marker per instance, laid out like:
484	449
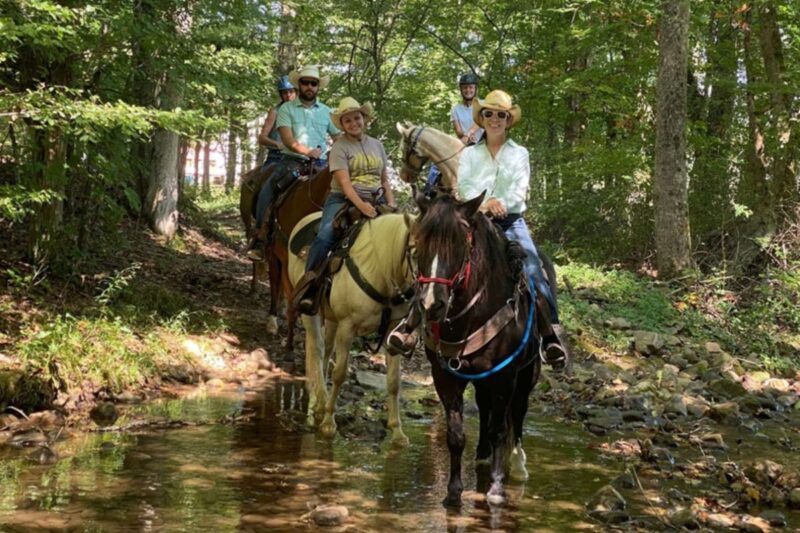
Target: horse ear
401	129
469	208
423	202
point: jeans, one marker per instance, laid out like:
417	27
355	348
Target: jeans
434	175
519	233
267	192
325	239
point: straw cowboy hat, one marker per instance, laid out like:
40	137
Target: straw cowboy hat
496	100
311	71
348	105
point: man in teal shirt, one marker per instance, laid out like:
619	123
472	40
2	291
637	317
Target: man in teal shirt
304	125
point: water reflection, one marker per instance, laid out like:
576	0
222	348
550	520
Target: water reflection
270	471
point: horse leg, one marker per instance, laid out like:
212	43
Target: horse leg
315	374
393	401
344	339
502	394
451	394
291	312
526	379
274	294
483	398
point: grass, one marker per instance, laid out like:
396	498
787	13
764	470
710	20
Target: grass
759	322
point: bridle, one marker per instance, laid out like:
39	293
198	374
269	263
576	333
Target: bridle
460	278
412	149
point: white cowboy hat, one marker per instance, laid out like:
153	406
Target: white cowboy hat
348	105
311	71
496	100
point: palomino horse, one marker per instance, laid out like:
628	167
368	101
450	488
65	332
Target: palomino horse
419	144
305	198
480	328
377	268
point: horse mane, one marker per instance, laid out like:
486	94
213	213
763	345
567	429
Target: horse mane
437	146
442	230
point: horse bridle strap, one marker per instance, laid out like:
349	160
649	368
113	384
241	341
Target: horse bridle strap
459	278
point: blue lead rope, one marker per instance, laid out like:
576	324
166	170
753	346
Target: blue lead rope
507	361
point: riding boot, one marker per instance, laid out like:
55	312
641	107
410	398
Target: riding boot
258	244
403	338
554	348
307	294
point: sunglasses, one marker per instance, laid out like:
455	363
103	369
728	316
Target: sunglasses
311	83
488	113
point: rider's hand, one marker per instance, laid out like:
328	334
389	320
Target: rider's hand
368	210
471	138
464	139
495	208
315	153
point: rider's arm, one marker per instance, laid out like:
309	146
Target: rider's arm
387	188
460	133
296	146
263	138
342	177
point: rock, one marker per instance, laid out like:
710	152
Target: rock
763	472
709	440
606	499
260	357
129	397
794	498
777	384
618	323
719	520
751	524
775	518
691	355
722	360
682	517
759	376
44	419
676	405
789	347
712	348
725	388
678	361
330	515
721	411
215	383
104	414
775	497
787	400
625	481
647	342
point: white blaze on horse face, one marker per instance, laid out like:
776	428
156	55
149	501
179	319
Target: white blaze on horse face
428	299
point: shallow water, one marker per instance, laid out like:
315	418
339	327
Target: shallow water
267	472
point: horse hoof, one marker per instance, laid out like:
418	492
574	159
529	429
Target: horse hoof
272	325
452	501
495	499
328	427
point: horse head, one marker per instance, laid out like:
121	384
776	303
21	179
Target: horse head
443	239
413	158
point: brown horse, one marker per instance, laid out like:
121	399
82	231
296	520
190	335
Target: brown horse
306	197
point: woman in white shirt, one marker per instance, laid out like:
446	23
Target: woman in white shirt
502	168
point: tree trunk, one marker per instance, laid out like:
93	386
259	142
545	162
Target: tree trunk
207	168
673	241
196	178
230	170
161	202
783	160
184	155
247	151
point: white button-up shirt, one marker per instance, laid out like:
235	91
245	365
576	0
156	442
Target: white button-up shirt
505	178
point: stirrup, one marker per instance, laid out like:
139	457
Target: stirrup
398	343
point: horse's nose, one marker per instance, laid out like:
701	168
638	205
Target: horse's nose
434	312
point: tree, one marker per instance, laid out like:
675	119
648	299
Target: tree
673	240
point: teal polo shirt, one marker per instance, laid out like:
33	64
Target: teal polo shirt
310	125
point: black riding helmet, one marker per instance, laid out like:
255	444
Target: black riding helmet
468	78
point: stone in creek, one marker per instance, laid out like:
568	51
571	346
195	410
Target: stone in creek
719	520
775	497
104	414
647	342
677	405
777	384
682	517
606	499
794	498
751	524
330	515
725	410
726	388
775	518
618	323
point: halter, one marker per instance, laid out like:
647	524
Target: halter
459	278
412	150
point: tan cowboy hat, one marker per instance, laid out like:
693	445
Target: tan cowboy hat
311	71
496	100
348	105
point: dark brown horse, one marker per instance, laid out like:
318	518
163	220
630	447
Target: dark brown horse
480	328
306	197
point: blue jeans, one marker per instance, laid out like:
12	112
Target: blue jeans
434	175
325	239
519	233
267	192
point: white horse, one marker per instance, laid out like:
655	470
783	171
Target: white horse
419	144
379	253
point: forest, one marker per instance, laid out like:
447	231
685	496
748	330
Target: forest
665	186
